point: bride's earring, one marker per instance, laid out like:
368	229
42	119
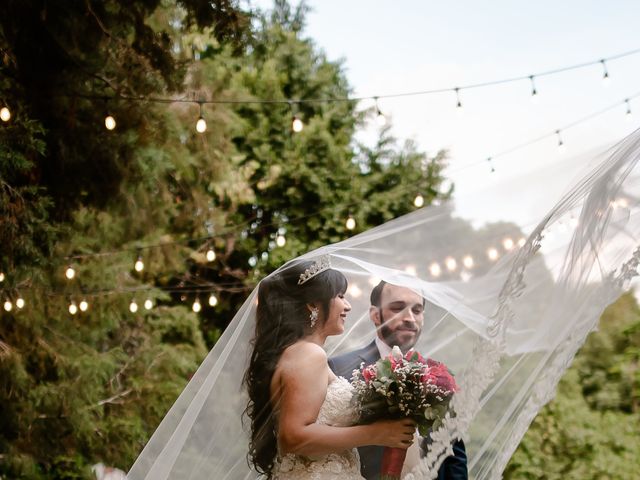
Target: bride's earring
313	316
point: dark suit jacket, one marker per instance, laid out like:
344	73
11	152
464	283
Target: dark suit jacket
453	467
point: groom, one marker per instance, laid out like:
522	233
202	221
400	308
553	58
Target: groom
398	314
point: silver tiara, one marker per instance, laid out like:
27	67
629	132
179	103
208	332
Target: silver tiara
320	265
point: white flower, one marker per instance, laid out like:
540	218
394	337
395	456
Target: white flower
397	353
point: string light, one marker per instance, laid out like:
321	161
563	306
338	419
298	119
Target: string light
355	291
350	223
8	305
148	304
380	118
411	270
468	261
69	273
1	277
418	201
196	307
109	122
20	302
211	255
213	300
451	263
628	113
280	240
490	160
522	241
139	265
458	102
605	74
492	253
561	147
534	92
73	308
133	306
434	270
507	243
5	114
296	124
201	124
84	305
465	276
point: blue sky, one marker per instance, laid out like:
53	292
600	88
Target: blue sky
391	47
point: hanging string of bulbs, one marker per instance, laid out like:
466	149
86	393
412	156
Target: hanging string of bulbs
297	126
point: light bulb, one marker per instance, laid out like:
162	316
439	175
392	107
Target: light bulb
451	264
381	120
605	74
468	261
561	147
522	241
211	255
8	306
351	223
418	201
84	306
623	202
411	270
297	125
133	306
5	114
201	125
281	240
355	291
139	265
213	300
435	270
492	253
196	307
70	273
507	243
73	308
148	304
109	122
534	91
1	277
20	302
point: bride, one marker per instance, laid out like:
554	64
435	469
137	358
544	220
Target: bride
302	423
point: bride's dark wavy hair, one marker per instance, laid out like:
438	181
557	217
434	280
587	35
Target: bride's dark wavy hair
282	318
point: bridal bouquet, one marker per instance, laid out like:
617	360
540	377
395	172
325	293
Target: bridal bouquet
398	386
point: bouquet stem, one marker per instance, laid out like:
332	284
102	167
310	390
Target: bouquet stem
392	462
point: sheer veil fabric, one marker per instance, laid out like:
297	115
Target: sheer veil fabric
508	306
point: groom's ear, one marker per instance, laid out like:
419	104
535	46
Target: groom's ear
374	315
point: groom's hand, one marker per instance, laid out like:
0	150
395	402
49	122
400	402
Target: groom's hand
394	433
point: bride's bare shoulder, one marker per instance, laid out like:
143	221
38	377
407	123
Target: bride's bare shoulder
302	354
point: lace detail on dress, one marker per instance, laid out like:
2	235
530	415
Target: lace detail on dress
335	411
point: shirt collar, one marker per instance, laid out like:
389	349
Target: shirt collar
383	348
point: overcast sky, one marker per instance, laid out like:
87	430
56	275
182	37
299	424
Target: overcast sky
393	47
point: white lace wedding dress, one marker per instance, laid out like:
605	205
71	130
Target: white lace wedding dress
336	411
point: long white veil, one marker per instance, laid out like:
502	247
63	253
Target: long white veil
507	308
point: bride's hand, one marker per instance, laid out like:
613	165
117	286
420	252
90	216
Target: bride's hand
394	433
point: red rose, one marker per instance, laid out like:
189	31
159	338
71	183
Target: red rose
413	356
369	373
444	379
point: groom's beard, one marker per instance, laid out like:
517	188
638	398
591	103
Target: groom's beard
391	337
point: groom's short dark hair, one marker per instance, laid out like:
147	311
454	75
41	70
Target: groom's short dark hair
376	295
